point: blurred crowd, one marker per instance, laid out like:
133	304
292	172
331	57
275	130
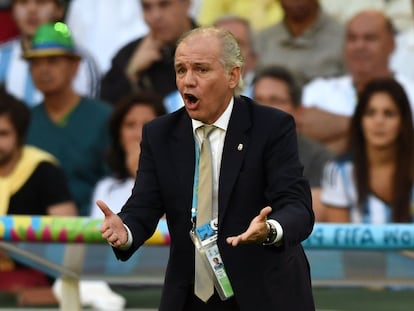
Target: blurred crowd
80	78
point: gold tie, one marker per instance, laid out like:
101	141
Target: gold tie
203	282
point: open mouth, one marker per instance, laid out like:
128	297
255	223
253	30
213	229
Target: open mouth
190	99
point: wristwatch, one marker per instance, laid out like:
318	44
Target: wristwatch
271	236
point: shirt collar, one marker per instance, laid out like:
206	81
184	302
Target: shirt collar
222	122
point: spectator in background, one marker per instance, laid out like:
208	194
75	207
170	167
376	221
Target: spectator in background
71	127
104	33
260	13
31	183
331	102
8	27
30	180
307	41
14	71
241	30
127	120
375	183
399	11
275	87
148	62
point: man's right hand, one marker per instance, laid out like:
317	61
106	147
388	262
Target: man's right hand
112	228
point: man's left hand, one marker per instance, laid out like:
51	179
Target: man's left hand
257	231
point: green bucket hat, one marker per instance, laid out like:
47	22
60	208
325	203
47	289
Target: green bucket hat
51	40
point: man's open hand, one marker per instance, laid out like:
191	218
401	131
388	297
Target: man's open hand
257	231
112	227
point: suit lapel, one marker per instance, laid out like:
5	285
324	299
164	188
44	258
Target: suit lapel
182	148
235	146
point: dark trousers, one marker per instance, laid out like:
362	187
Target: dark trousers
213	304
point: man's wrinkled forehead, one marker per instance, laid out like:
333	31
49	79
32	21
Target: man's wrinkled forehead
193	55
197	43
194	37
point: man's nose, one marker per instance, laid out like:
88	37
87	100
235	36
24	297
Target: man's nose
189	78
360	43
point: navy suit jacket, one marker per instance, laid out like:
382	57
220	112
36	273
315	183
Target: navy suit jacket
266	171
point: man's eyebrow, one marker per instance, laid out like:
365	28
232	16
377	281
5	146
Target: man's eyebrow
200	63
196	63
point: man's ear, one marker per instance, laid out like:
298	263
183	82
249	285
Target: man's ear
234	76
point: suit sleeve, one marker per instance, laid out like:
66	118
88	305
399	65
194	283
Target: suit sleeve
144	207
287	190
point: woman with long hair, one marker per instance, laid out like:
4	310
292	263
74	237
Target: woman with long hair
373	183
125	125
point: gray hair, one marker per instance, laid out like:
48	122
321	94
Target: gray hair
231	55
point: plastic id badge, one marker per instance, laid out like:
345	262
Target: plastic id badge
221	281
204	239
207	233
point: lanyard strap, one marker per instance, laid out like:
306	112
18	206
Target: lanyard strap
195	186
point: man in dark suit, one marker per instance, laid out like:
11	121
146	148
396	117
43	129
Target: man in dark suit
261	198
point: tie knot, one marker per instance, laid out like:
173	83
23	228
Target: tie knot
207	129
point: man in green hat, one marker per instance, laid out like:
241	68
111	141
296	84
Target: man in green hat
14	71
54	39
71	127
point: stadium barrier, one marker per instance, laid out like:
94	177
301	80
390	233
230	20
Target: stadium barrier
72	248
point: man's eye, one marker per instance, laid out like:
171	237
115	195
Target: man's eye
180	70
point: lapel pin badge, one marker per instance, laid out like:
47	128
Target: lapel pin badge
240	147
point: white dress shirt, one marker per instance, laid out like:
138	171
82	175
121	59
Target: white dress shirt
216	139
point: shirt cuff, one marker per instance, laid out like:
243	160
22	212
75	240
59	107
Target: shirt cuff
279	237
128	243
